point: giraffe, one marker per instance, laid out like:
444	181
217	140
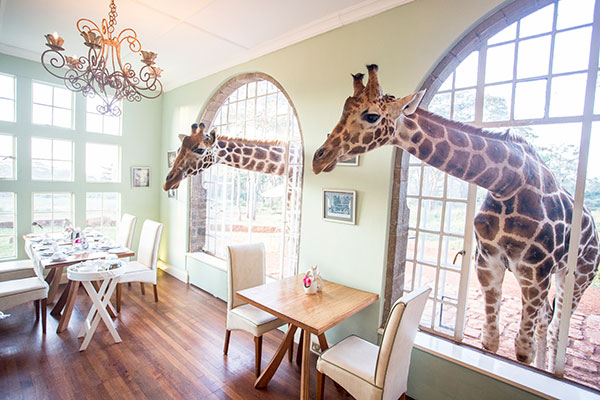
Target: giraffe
198	152
524	224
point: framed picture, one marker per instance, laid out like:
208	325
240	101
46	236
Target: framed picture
140	177
171	155
339	206
172	194
351	162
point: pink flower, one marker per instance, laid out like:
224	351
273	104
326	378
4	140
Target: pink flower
307	281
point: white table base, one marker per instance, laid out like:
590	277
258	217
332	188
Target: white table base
100	300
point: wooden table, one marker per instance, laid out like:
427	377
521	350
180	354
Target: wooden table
314	314
66	301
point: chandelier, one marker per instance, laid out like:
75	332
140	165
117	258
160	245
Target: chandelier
102	73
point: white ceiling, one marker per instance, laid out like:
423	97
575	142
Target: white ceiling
193	38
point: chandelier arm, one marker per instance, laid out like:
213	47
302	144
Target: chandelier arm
130	36
86	25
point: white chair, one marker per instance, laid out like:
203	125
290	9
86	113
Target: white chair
370	372
20	291
126	230
18	269
144	268
246	269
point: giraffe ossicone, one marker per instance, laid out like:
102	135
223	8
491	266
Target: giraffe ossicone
524	224
199	152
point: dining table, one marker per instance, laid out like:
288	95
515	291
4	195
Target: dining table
52	253
311	313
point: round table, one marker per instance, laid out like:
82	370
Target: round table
86	273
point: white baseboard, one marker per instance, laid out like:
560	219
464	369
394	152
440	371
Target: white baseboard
178	273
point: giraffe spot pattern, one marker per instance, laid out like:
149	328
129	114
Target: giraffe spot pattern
486	225
488	177
409	123
416	138
477	143
425	149
496	151
520	226
508	184
546	237
368	138
534	254
476	165
457	138
529	204
553	207
440	155
431	129
458	163
544	269
531	174
512	247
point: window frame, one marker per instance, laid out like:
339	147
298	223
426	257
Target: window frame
52	160
15	227
13	99
52	106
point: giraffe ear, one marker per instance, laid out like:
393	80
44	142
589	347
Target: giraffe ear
211	138
412	102
181	137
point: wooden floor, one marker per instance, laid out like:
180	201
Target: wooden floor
170	349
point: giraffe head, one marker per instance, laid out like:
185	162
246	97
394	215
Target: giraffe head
368	121
195	155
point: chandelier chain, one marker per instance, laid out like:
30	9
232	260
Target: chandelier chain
112	16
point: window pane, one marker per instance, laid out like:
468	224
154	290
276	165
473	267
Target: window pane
505	35
102	163
433	182
567	95
42	94
466	72
454	220
431	215
112	125
499	63
62	171
534	57
7	202
7	157
450	247
572	50
496	102
62	202
41	170
7	86
464	105
41	148
61	117
414	180
597	96
537	22
63	98
530	99
574	13
93	123
62	149
41	115
440	104
457	188
7	110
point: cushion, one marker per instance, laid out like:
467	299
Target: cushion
137	272
19	291
252	320
19	269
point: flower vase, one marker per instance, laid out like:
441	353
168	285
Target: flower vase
312	289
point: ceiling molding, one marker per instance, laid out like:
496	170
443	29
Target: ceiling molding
20	52
365	9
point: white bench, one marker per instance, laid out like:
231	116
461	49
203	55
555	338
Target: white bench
18	269
20	291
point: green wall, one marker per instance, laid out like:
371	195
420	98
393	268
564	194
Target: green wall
140	146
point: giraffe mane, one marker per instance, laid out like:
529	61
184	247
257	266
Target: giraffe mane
505	136
251	141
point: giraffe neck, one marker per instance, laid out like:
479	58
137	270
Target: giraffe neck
499	162
267	157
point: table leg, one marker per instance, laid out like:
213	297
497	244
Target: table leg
101	313
267	374
66	315
305	371
53	280
323	342
92	313
60	304
109	308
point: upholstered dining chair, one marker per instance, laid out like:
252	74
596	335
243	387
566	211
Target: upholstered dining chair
143	270
17	269
246	269
373	372
126	230
19	291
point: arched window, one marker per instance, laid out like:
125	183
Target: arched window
235	206
532	69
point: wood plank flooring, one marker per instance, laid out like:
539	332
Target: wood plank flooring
170	349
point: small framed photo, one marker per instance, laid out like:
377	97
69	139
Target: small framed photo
140	177
339	206
171	155
351	162
172	194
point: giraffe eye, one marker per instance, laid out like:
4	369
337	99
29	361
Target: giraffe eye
199	150
371	118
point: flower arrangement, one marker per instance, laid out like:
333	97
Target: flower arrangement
306	280
312	281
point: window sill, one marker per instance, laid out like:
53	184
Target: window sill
524	378
209	260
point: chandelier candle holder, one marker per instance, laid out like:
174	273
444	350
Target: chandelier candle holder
102	73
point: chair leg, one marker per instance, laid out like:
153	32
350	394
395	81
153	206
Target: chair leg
128	284
299	350
36	307
226	345
43	311
320	385
403	397
143	290
118	298
258	354
291	349
156	293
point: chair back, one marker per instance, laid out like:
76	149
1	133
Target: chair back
245	269
149	242
126	229
393	360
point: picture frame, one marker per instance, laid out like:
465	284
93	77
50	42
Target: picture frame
171	155
172	194
339	206
140	177
351	162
